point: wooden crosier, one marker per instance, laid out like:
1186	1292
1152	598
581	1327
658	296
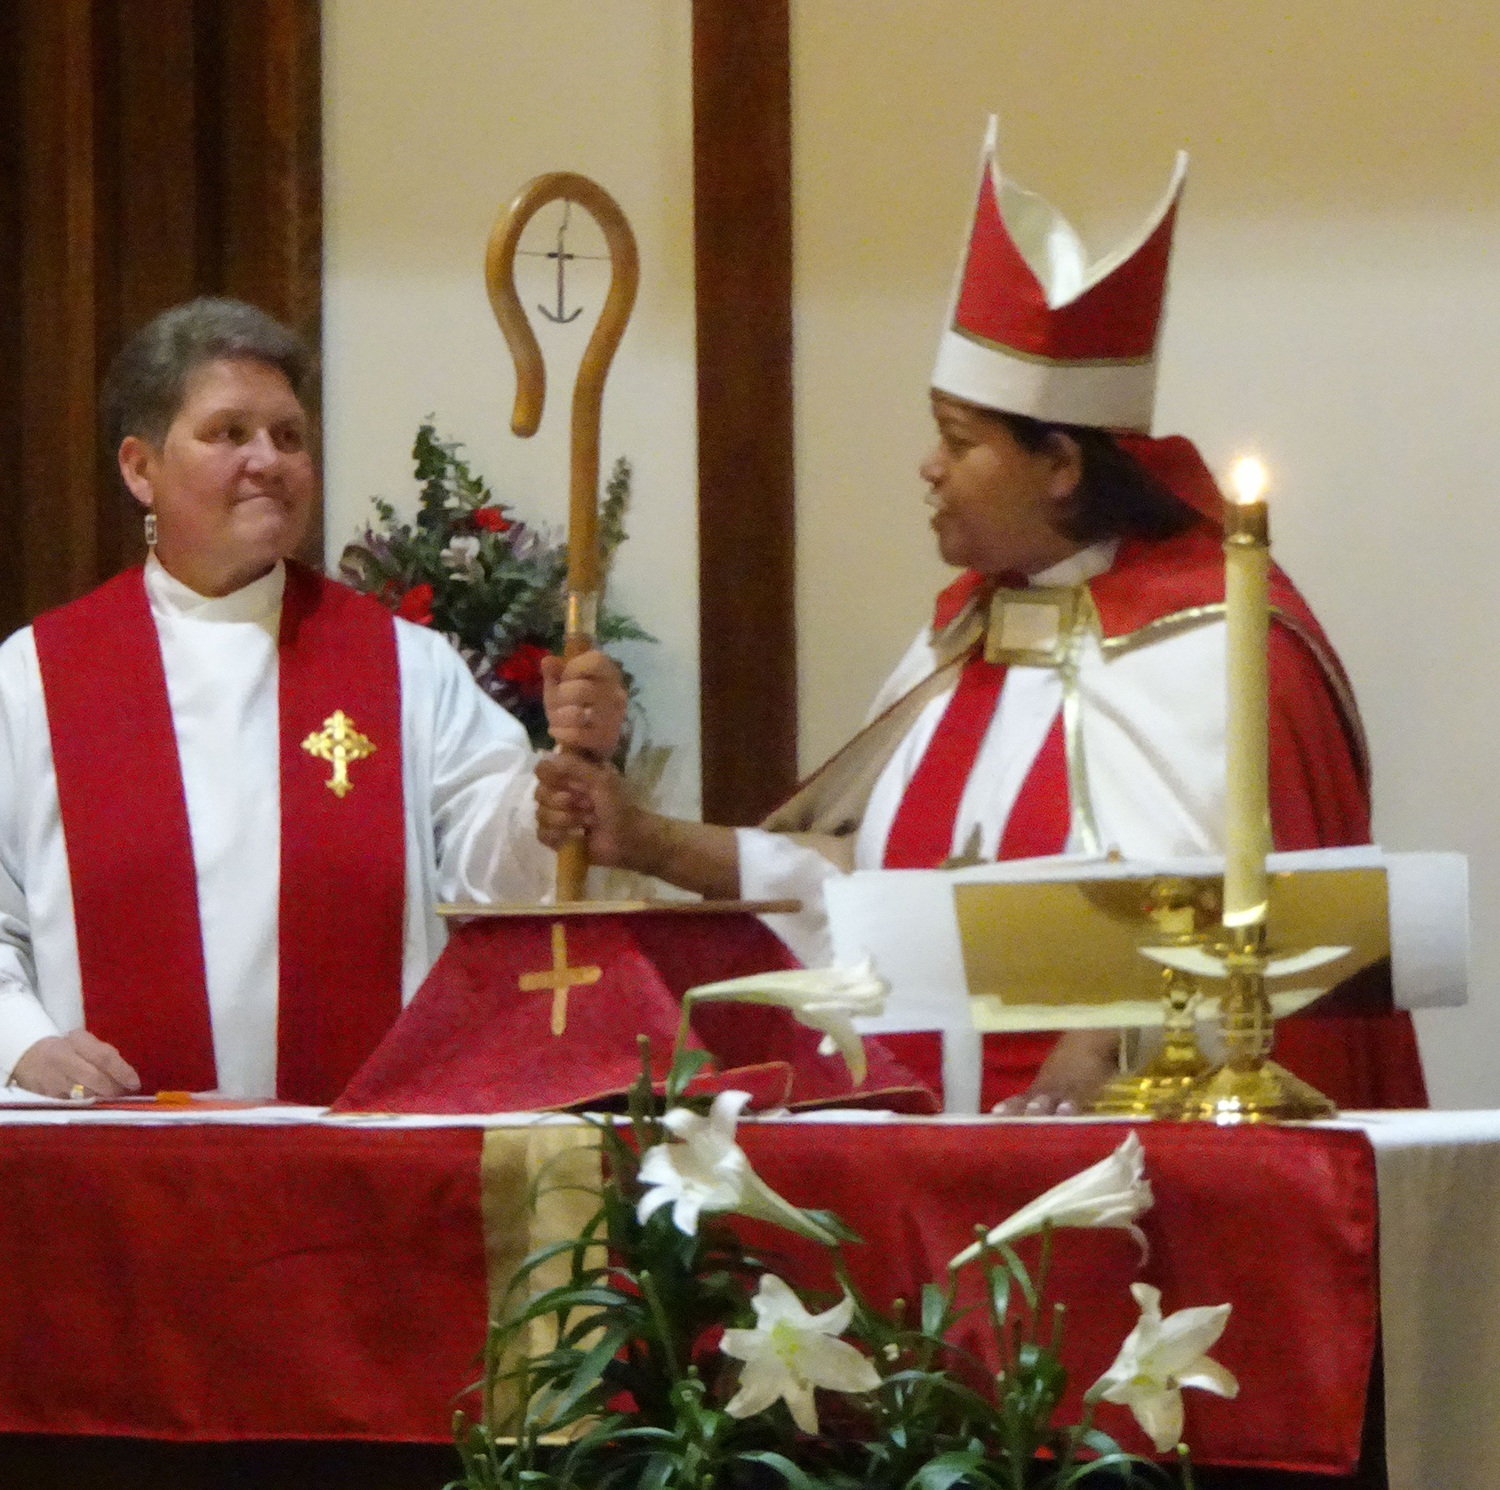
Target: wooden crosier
571	909
588	398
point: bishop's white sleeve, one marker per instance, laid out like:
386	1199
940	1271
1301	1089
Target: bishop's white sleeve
23	1020
776	866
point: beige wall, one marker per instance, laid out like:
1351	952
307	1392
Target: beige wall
1335	304
436	111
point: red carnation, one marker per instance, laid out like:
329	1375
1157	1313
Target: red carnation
416	605
523	668
491	518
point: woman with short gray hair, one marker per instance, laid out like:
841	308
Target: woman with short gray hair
233	791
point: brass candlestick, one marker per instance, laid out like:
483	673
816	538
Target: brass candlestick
1250	1087
1182	918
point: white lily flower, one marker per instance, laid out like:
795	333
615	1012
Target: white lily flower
1113	1192
1159	1358
708	1171
789	1352
824	998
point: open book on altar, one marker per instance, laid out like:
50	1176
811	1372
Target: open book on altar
1056	943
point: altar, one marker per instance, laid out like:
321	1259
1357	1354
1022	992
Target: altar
230	1276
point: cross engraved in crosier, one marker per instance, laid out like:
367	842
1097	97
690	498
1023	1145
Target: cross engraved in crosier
559	978
339	743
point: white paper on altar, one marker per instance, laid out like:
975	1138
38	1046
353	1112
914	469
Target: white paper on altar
1429	929
904	919
146	1113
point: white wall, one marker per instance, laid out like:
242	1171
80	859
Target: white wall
1335	303
435	113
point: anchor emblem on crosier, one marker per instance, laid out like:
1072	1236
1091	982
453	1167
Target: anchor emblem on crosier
559	978
339	743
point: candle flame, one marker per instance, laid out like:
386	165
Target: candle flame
1248	478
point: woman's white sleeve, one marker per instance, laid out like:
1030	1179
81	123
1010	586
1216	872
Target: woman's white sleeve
483	794
23	1020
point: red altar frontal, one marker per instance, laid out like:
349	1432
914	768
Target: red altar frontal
281	1275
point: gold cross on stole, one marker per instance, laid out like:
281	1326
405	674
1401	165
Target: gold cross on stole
559	978
339	743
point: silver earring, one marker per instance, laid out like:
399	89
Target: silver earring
150	526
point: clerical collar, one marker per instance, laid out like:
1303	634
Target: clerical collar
1079	568
1034	626
260	600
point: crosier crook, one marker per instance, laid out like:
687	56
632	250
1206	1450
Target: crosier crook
588	397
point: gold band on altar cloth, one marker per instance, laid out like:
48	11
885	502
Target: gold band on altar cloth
539	1182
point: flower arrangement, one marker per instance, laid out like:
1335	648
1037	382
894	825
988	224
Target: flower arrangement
678	1358
493	584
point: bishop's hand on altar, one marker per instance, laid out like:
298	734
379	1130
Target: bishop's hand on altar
232	792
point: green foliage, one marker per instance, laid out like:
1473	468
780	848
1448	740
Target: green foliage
632	1389
492	584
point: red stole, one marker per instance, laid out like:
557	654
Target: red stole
130	857
921	835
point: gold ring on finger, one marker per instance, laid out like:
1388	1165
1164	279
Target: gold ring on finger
78	1092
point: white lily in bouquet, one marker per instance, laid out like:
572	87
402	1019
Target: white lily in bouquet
1113	1192
789	1352
706	1170
825	999
1159	1358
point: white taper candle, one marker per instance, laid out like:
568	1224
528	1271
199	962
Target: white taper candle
1247	828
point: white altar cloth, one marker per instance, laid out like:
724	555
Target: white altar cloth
1438	1181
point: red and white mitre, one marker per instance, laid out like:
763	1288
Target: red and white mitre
1034	329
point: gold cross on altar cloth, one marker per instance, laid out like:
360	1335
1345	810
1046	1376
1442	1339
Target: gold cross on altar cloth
339	743
559	978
